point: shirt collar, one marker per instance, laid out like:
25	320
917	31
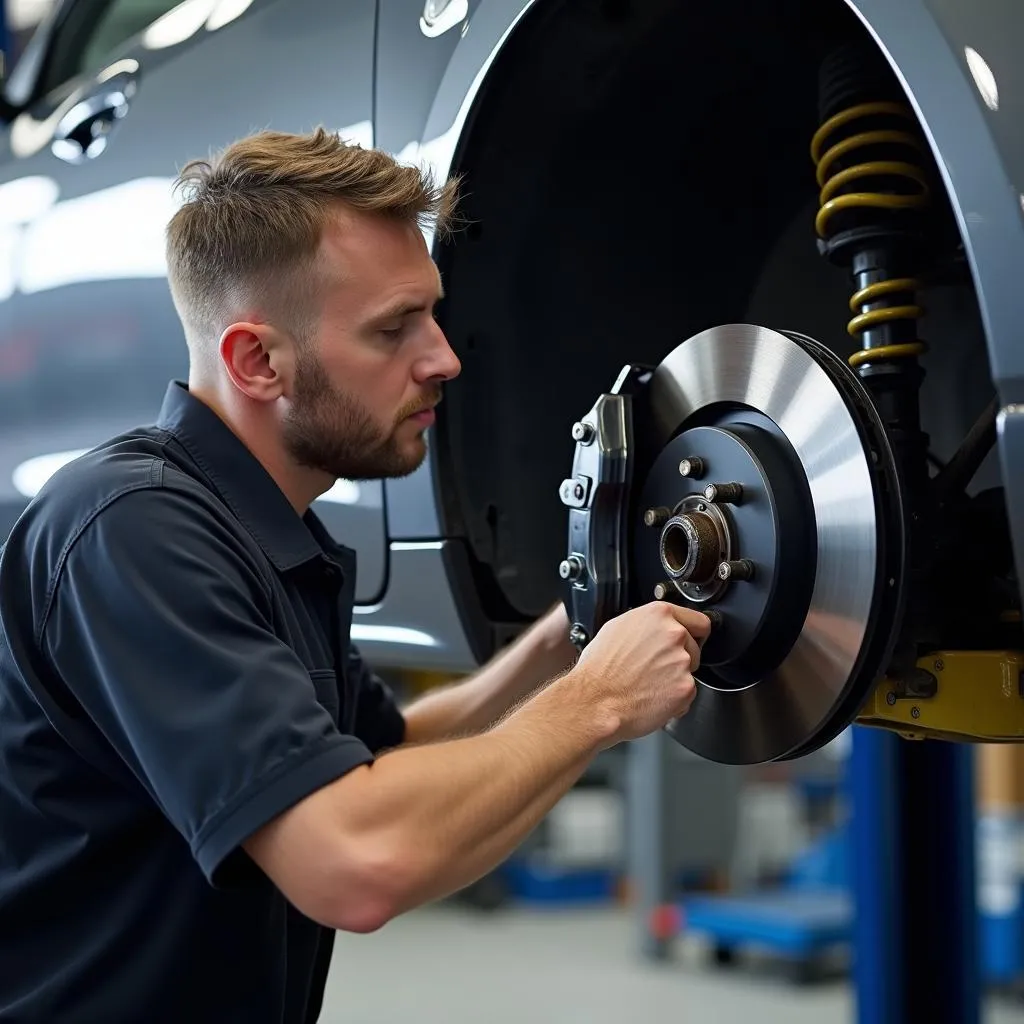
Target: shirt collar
286	538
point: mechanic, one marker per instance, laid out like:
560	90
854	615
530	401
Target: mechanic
200	778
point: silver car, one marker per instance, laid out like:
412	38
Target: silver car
679	220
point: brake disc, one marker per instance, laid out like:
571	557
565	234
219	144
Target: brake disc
748	476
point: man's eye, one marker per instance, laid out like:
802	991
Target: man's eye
391	332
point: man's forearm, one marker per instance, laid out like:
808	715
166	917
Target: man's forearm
476	703
442	815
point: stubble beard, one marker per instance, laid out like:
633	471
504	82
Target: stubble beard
330	431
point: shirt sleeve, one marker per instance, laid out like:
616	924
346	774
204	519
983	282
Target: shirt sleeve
164	636
380	723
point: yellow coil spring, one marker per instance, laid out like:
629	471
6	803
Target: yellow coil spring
832	200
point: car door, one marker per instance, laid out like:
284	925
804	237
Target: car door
126	92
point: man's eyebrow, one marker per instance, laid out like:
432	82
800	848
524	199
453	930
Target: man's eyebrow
402	307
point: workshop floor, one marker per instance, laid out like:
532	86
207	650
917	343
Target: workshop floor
445	965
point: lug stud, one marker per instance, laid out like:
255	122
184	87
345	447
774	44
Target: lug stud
656	516
724	493
571	568
692	466
583	432
740	569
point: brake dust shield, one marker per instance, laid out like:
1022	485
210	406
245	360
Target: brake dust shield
748	476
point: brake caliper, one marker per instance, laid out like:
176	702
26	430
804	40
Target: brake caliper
597	496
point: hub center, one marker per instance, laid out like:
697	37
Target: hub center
715	537
676	552
694	541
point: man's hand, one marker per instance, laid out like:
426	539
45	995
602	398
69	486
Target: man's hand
640	666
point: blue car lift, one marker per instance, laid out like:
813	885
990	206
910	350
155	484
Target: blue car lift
915	928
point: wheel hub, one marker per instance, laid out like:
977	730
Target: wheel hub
692	544
745	513
757	485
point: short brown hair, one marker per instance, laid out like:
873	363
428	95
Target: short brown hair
253	216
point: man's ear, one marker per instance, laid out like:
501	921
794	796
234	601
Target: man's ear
258	359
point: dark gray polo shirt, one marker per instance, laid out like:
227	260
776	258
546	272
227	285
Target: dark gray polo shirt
175	671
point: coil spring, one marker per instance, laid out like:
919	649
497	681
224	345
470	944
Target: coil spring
833	200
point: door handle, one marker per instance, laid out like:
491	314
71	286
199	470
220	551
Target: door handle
82	133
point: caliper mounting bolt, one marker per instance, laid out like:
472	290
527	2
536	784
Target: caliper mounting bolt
715	616
725	493
656	516
583	432
739	569
661	591
692	466
577	635
571	568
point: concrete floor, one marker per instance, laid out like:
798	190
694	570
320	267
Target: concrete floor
446	964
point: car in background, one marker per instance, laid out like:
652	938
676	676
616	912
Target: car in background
635	171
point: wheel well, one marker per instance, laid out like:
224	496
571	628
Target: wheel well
634	173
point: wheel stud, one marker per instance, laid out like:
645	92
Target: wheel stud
692	466
656	516
740	569
725	494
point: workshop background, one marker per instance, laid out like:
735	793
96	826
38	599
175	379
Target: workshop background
663	886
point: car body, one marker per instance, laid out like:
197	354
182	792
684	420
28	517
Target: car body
625	186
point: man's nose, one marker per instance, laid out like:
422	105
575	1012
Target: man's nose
442	363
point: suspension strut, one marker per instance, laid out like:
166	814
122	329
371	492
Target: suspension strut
874	220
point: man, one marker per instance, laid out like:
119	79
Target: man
200	779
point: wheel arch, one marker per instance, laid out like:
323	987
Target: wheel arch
925	42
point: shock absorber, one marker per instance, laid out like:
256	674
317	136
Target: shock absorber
875	220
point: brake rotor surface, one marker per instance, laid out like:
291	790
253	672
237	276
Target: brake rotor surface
774	501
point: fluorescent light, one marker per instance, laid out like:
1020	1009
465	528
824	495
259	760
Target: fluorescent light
393	635
24	199
983	77
177	25
226	11
111	234
29	476
10	239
